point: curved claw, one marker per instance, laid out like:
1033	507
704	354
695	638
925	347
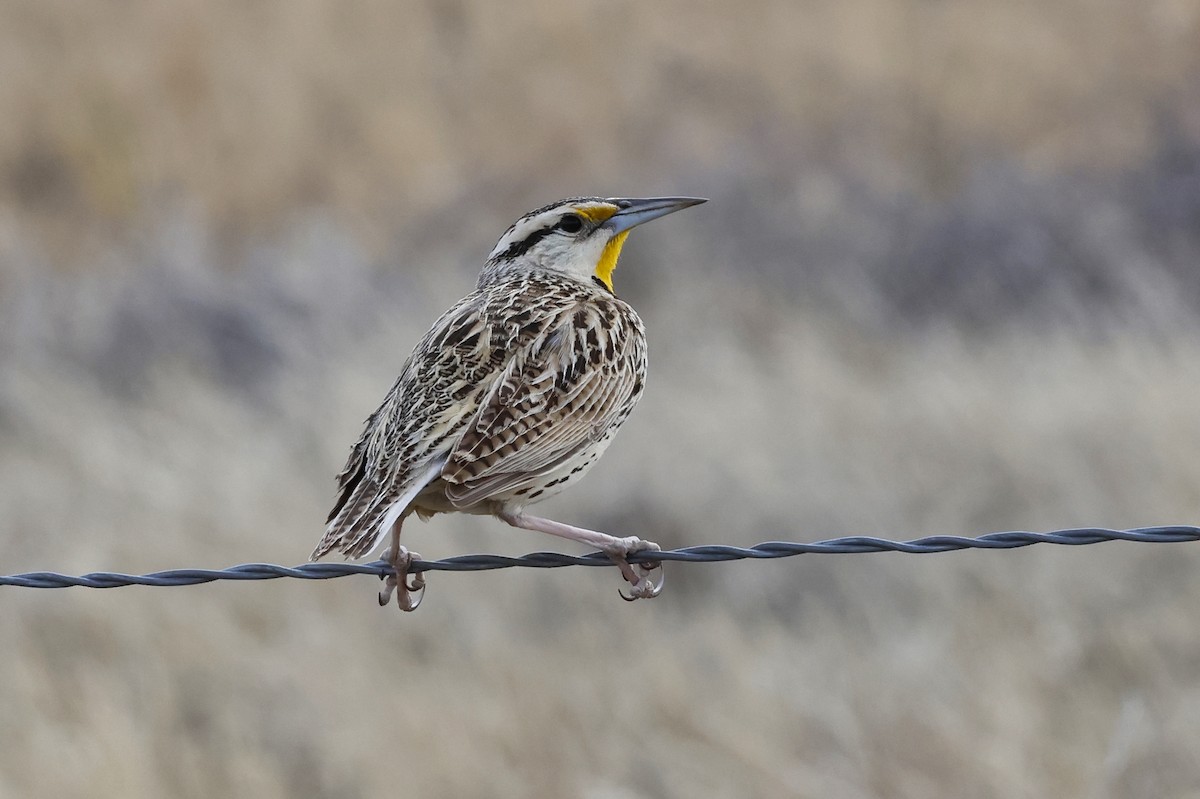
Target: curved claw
645	588
409	589
413	594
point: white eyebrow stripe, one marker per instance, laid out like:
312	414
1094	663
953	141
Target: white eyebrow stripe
539	219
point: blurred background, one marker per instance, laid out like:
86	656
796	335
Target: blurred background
947	283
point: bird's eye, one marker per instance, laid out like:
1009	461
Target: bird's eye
570	224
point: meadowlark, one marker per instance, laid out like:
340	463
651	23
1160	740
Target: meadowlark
512	395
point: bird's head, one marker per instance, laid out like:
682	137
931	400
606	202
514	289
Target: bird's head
581	237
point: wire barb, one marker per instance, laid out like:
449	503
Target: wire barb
712	553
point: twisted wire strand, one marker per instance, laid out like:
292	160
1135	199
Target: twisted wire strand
553	560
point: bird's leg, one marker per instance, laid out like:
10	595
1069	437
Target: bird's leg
638	575
408	593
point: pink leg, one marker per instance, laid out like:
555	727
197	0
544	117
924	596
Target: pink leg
399	558
637	575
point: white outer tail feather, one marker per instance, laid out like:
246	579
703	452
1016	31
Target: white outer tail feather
432	471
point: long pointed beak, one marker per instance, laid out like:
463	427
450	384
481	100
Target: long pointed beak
636	211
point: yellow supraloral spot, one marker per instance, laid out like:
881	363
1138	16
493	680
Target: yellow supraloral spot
598	213
608	259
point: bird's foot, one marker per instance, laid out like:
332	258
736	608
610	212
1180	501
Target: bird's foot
410	590
646	580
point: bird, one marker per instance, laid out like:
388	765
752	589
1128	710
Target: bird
511	396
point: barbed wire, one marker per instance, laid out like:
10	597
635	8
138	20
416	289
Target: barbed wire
553	560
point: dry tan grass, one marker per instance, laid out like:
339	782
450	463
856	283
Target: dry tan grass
1033	673
197	201
390	110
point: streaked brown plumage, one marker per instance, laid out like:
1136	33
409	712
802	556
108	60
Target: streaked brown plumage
513	394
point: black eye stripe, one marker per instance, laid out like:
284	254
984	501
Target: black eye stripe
519	248
516	249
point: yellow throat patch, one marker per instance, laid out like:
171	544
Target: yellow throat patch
608	259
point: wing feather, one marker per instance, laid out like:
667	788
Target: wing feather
557	396
415	426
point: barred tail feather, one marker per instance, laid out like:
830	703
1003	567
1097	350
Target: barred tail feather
360	524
